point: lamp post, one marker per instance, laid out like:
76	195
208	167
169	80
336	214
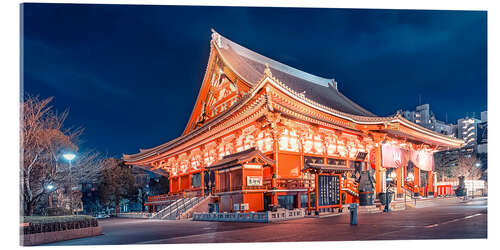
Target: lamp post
50	187
478	164
69	157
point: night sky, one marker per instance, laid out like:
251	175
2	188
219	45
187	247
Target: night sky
130	74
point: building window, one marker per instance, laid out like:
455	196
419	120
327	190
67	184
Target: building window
196	180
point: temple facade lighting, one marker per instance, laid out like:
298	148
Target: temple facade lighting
266	135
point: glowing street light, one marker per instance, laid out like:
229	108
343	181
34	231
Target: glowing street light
50	187
69	156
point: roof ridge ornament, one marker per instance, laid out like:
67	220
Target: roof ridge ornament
267	71
216	38
334	84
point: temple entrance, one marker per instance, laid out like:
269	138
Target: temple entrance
267	201
287	201
424	175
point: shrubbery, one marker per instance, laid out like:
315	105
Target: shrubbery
58	211
42	224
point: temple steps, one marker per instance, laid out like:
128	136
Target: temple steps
369	209
176	209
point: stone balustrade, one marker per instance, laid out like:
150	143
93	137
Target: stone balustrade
261	217
134	215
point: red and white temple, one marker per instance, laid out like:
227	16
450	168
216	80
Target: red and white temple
264	134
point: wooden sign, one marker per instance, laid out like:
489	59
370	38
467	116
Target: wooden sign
254	180
329	190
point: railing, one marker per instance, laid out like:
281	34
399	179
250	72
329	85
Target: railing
165	197
234	217
263	217
165	210
141	215
182	207
350	186
194	192
443	190
237	188
288	183
410	193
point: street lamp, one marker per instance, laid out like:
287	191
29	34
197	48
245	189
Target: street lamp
478	164
50	187
69	157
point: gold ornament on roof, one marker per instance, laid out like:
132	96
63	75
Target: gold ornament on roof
267	71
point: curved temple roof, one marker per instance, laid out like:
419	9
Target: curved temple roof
250	65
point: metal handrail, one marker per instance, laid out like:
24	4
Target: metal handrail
169	207
412	195
180	209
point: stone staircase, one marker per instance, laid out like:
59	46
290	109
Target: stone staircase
174	210
369	209
424	202
397	205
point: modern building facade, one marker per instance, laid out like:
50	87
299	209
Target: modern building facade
484	116
423	116
467	130
263	135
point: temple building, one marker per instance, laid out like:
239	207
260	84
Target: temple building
263	135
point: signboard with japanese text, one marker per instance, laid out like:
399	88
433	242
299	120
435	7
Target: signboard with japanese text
254	180
329	190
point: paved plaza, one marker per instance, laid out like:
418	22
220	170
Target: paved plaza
446	219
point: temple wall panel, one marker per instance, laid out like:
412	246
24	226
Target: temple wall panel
255	201
185	182
225	203
267	172
289	165
174	184
236	178
253	172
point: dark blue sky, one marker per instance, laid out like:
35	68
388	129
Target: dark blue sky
130	74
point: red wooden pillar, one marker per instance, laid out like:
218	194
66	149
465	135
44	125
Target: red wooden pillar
202	184
274	186
309	200
378	169
340	188
316	191
229	188
298	200
416	178
430	182
170	186
178	183
399	180
275	172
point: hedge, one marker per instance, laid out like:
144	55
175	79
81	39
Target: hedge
42	224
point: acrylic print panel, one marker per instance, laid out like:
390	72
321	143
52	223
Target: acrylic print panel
222	125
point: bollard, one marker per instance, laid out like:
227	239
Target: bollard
354	213
387	201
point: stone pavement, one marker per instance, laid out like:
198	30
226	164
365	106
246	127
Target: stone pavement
447	219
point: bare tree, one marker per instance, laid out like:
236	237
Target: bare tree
467	166
117	183
85	169
43	141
